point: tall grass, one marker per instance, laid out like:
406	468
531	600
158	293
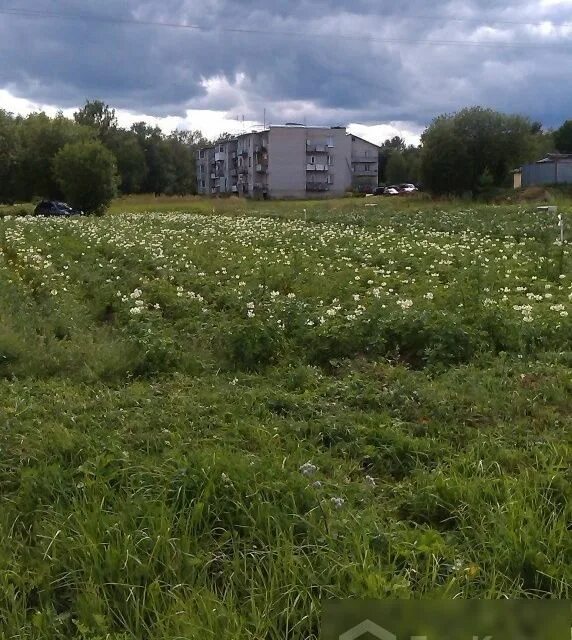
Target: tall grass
256	439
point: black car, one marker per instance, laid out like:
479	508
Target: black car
55	208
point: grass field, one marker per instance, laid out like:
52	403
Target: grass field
212	421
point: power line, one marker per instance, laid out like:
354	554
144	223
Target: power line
29	13
481	21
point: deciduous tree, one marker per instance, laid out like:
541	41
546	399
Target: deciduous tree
458	149
87	175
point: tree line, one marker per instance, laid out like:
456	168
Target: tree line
89	158
59	157
470	152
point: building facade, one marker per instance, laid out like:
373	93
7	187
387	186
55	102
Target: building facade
555	168
288	161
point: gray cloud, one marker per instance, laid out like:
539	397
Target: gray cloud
300	64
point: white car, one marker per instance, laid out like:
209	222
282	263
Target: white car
407	187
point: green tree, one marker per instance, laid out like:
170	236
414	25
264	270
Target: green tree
9	151
182	147
563	137
396	169
130	157
390	146
151	140
99	116
458	149
403	166
223	137
87	175
40	139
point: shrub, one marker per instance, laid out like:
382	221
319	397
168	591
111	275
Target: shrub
87	175
252	345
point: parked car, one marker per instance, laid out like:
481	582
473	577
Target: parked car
391	191
379	191
55	208
363	189
407	187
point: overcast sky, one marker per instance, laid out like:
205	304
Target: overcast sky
384	67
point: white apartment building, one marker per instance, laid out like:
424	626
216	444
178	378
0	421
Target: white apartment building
288	161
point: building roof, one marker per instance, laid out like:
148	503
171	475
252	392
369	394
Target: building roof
291	125
296	125
353	135
556	157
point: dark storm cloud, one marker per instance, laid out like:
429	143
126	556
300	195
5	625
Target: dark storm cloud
301	62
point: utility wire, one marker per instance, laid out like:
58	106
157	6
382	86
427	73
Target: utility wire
443	19
263	32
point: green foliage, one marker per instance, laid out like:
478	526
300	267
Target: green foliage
563	137
459	148
210	423
386	150
146	158
252	346
87	175
403	166
99	116
9	152
41	138
130	157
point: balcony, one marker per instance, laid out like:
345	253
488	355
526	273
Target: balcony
243	153
213	176
243	171
317	167
219	155
234	173
365	172
317	186
261	168
316	148
363	158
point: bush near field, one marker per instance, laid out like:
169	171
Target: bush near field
26	209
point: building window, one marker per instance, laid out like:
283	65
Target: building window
330	142
221	148
202	153
250	161
201	168
203	184
313	160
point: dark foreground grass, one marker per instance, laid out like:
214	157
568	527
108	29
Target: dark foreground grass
156	484
177	508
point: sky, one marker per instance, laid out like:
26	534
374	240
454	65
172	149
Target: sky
382	67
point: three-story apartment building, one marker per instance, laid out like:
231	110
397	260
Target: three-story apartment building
288	161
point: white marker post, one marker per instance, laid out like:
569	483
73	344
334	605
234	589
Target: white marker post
554	209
